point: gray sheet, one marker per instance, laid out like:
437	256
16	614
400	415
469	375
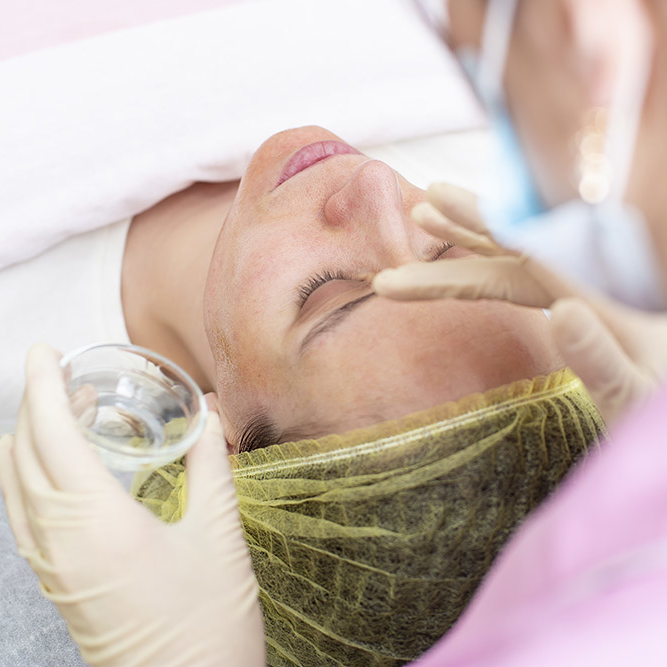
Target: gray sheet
32	633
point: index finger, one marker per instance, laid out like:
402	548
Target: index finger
512	278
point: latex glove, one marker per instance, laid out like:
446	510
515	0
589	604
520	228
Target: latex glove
134	591
619	353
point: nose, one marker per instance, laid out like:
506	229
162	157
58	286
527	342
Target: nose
369	207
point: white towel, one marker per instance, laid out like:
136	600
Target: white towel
99	130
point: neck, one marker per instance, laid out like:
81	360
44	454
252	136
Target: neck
167	255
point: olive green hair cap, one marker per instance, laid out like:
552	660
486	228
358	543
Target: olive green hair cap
368	545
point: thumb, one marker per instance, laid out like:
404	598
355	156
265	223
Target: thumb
209	476
596	356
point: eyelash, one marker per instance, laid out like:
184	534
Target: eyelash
316	281
320	279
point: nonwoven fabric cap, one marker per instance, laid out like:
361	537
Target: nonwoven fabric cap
367	546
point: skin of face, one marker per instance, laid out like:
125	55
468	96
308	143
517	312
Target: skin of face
350	216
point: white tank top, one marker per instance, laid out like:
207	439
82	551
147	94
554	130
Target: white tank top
68	296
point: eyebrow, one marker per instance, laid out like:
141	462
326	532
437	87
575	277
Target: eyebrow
332	320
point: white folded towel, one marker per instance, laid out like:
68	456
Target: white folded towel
101	129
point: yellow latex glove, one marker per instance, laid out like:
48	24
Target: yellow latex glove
619	353
134	591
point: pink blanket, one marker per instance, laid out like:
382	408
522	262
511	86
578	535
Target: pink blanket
31	25
584	581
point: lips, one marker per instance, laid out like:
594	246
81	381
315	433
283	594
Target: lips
311	154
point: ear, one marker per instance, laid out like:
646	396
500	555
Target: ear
598	31
213	404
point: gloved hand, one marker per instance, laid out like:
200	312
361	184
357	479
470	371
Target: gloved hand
619	353
134	591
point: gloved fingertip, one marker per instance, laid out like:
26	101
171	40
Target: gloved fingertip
420	211
213	424
40	353
42	361
385	281
440	191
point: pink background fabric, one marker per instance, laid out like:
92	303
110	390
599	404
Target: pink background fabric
584	581
31	25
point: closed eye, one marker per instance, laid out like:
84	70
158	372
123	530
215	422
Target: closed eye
319	279
440	251
316	281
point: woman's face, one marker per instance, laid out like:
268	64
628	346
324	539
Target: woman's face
296	332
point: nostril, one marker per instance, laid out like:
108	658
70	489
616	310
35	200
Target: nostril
338	209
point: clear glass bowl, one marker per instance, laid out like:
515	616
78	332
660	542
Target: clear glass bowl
139	410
